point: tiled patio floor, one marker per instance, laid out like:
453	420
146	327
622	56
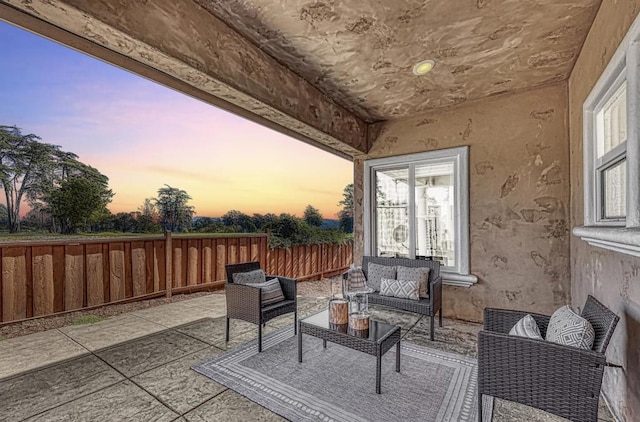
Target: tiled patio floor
136	367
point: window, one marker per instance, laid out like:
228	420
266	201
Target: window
612	153
417	206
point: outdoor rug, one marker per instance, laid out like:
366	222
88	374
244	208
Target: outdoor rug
338	384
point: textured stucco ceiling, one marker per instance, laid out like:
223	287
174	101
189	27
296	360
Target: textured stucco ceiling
360	53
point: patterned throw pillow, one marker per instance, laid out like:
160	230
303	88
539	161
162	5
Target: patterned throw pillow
376	272
526	327
255	276
270	291
356	279
419	274
568	328
403	289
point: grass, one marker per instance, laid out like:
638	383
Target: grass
2	337
86	319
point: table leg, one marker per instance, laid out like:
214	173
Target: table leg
324	343
299	345
398	356
378	371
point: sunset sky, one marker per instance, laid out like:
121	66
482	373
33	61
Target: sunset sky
143	135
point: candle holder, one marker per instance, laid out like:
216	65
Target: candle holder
338	311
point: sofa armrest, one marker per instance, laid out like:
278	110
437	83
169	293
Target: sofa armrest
243	302
288	285
503	320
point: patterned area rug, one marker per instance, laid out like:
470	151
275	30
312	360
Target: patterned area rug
338	384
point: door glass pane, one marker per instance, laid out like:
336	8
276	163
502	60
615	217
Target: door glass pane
612	122
614	185
435	213
392	212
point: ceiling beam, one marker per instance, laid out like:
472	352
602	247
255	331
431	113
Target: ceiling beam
183	46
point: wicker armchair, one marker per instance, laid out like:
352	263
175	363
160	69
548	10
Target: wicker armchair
558	379
244	302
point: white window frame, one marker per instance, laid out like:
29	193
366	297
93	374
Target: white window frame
621	235
458	275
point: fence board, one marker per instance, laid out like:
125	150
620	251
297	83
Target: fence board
207	261
193	273
95	275
243	250
42	280
150	270
221	254
117	271
160	265
58	278
128	272
138	269
73	277
14	294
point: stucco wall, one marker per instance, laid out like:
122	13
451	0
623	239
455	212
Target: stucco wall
519	194
611	277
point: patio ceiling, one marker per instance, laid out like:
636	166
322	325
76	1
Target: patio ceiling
361	53
320	71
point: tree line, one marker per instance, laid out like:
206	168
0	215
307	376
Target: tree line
68	196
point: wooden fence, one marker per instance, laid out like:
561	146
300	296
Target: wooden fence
44	278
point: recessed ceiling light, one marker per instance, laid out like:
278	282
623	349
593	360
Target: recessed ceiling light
423	67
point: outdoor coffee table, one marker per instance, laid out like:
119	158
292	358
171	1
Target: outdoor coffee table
381	338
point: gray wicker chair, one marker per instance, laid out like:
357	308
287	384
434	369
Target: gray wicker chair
244	302
427	307
558	379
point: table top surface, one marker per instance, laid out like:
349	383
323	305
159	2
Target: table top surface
376	333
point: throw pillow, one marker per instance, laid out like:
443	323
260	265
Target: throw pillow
356	279
568	328
526	327
270	291
419	274
376	272
255	276
403	289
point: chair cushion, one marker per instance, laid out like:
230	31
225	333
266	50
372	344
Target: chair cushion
568	328
526	327
270	291
404	289
255	276
376	272
419	274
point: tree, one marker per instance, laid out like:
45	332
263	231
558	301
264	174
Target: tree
174	209
312	216
23	162
345	216
77	201
238	222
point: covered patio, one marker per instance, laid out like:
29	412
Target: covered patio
526	118
137	366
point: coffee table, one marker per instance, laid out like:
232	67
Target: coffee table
381	337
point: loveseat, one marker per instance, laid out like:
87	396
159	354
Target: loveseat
424	306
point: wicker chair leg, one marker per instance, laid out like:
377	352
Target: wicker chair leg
226	330
432	326
440	316
259	338
479	407
295	322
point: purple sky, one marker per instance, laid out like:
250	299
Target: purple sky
143	135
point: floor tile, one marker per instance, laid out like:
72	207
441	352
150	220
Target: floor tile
34	392
231	407
174	314
140	355
112	331
120	402
21	354
178	386
211	331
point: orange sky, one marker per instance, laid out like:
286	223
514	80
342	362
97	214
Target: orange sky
142	136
